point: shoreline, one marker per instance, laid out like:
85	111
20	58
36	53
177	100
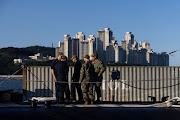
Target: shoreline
11	76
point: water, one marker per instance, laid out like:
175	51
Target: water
15	84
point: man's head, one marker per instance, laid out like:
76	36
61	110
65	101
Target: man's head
86	58
94	56
74	58
60	54
64	58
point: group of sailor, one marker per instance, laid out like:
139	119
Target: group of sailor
85	77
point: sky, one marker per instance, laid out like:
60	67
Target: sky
26	23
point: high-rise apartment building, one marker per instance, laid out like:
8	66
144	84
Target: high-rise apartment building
60	48
67	46
92	44
77	46
106	46
103	40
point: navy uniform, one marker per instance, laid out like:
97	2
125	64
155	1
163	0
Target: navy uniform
67	91
61	72
75	78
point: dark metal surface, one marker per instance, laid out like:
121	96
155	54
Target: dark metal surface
57	113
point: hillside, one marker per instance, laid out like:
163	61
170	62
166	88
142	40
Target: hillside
7	55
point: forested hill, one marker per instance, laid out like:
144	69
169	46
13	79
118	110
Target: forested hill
25	52
44	50
7	55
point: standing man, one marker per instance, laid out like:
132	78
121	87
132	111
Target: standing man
75	78
99	69
86	77
59	70
67	91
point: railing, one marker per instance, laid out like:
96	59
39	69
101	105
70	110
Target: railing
136	83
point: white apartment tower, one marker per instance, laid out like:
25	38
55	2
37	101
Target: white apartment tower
111	51
92	44
83	45
130	43
103	40
77	45
67	45
115	53
60	48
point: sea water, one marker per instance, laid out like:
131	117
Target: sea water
14	84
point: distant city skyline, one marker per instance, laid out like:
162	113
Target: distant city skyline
29	23
128	52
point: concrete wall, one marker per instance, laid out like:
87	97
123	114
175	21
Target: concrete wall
136	83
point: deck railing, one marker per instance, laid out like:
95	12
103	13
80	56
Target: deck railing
136	83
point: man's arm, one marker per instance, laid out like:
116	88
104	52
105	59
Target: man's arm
81	74
74	74
66	68
52	71
102	69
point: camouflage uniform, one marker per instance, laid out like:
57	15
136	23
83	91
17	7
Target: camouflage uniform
99	69
86	76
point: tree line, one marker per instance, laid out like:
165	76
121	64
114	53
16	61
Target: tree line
7	55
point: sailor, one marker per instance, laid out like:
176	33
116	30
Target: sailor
99	69
75	78
67	91
59	70
86	77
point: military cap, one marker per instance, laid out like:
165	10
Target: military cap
74	56
94	54
86	56
60	53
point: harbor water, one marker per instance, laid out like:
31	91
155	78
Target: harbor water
14	84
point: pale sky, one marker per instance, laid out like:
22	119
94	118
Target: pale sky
43	22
